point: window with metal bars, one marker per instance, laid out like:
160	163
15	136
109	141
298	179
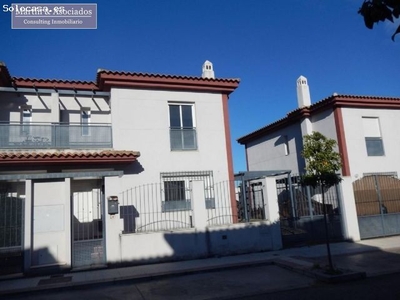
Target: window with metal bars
176	189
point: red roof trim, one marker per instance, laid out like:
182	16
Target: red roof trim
67	157
140	75
327	103
54	83
106	80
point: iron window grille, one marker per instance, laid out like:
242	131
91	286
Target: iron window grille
176	192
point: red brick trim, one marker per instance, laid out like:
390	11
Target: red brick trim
341	141
109	81
229	157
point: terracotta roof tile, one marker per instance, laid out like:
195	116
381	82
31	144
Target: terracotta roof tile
105	79
109	156
343	100
50	83
157	75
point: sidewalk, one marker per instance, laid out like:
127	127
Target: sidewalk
375	257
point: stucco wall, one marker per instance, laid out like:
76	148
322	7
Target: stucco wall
268	152
189	244
140	121
44	104
71	109
324	122
359	161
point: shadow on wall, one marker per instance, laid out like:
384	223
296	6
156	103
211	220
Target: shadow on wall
13	104
132	169
154	247
44	262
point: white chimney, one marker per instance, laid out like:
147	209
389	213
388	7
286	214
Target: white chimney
303	92
208	71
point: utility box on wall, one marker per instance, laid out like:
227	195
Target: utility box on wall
112	205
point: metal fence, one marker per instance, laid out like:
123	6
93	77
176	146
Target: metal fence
144	208
301	211
10	221
183	138
55	136
224	210
11	217
250	201
167	205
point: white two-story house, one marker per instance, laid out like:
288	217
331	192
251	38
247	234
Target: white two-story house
363	126
85	165
365	129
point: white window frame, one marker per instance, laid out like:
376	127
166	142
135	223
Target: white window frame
376	135
193	112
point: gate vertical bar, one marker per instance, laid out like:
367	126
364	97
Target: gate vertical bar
310	207
244	200
292	200
378	191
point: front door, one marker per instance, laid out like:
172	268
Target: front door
87	223
50	224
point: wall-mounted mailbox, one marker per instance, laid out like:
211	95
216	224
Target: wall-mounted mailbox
112	205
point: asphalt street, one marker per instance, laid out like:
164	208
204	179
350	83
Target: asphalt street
385	287
210	285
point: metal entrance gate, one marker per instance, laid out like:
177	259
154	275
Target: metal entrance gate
11	229
87	224
251	204
301	213
377	200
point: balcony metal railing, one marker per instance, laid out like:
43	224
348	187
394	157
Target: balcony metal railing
55	136
183	139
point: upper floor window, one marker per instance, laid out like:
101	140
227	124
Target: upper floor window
286	145
26	119
373	137
182	127
85	121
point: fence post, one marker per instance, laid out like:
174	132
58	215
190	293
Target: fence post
272	212
198	203
113	225
348	210
27	225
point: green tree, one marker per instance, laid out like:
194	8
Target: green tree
375	11
322	161
322	165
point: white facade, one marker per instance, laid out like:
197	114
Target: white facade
359	161
141	121
132	168
339	117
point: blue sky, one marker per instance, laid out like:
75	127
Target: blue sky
268	44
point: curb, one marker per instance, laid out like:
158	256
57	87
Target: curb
306	268
134	278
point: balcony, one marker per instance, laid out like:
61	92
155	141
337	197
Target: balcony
55	136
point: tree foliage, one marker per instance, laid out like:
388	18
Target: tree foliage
322	161
375	11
